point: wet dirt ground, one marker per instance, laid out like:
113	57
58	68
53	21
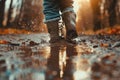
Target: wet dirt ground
31	57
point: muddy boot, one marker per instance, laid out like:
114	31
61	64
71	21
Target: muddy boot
53	30
69	19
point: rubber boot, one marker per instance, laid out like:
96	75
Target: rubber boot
69	18
53	29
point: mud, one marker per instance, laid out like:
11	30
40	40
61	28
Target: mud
32	57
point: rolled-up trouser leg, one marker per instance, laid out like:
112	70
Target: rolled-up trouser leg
65	4
51	10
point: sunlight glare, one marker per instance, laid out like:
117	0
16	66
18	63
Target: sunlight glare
77	4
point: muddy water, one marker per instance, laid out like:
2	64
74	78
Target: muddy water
31	57
44	63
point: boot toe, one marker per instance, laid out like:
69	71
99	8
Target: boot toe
71	34
55	39
73	41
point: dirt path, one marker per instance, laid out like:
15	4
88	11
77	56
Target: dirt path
31	57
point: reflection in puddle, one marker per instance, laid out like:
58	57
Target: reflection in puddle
62	60
65	63
24	64
82	70
58	62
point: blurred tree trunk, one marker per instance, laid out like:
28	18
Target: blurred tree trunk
104	13
2	8
31	15
112	12
10	11
18	17
95	4
85	19
118	12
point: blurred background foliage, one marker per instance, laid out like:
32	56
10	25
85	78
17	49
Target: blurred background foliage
92	15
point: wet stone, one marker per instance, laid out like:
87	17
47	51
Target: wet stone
95	46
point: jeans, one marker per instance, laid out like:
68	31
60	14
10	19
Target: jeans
52	8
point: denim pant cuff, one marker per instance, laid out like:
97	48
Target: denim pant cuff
54	19
69	9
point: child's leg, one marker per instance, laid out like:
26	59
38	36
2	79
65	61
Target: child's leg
52	16
69	18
